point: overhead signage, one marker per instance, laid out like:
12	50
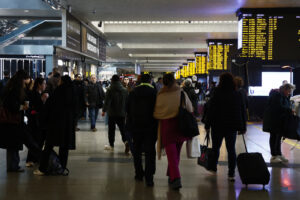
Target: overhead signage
73	33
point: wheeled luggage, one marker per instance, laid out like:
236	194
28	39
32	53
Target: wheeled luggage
252	168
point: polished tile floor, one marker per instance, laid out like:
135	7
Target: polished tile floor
96	174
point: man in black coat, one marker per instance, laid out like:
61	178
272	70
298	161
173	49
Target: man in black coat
94	96
143	126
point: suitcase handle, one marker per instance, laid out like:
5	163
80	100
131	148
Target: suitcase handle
245	143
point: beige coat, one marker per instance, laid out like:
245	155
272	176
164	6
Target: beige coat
167	107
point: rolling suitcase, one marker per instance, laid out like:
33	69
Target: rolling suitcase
252	168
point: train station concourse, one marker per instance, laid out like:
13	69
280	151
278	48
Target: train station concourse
205	94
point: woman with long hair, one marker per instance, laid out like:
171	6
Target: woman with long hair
169	135
60	122
37	98
225	117
12	136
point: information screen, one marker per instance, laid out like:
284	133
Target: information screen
220	53
271	35
270	80
201	63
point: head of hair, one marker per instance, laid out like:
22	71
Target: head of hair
146	78
168	80
188	82
66	80
239	81
115	78
6	73
226	81
55	70
56	75
159	78
16	84
50	73
77	75
287	86
38	81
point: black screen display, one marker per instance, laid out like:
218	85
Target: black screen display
271	35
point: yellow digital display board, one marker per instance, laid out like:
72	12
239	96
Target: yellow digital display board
201	63
220	53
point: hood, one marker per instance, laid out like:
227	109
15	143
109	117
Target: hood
117	86
144	90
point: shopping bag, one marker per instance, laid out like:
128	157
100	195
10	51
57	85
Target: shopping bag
193	148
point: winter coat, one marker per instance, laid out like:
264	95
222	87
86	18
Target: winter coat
94	95
12	135
140	108
115	100
277	109
80	94
226	111
61	117
190	91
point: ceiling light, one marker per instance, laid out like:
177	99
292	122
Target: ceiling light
26	11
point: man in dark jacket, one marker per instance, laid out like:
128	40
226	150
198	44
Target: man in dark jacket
115	106
94	96
143	126
3	83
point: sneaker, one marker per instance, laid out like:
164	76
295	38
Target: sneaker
283	159
38	173
231	178
29	164
108	148
275	159
127	149
94	129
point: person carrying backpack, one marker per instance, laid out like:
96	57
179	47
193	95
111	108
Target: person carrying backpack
115	106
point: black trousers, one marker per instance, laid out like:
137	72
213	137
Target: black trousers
63	157
275	144
12	159
112	121
144	142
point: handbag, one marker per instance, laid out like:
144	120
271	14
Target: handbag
291	128
207	156
187	122
7	117
193	148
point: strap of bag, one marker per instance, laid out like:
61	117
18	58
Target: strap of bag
245	143
207	138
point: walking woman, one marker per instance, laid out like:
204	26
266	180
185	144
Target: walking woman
12	122
169	135
37	100
60	118
225	116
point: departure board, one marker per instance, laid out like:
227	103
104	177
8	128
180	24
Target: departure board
220	54
201	60
269	34
185	70
191	67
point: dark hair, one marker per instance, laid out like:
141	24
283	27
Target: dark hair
6	73
66	80
168	80
239	81
115	78
15	84
145	78
159	78
37	82
50	73
226	81
56	75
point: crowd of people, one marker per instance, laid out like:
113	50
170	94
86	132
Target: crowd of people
145	113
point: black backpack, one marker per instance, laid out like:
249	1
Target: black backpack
54	166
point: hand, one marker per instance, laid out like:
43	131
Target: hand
103	114
25	107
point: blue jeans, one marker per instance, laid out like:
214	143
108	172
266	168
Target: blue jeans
230	140
93	114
